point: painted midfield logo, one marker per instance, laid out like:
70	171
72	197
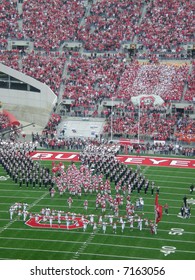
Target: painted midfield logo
74	224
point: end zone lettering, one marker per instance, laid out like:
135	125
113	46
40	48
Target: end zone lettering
54	156
151	161
75	224
127	159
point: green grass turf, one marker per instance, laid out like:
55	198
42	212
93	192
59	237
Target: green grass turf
18	241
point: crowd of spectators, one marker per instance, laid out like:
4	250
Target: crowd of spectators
189	94
172	145
10	58
51	127
50	23
91	79
8	22
105	26
185	130
164	80
47	69
109	23
167	25
100	25
154	125
162	148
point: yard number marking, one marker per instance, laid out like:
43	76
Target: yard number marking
168	250
176	231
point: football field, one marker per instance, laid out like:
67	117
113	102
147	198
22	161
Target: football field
175	238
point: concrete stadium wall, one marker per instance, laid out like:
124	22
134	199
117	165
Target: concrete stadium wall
27	105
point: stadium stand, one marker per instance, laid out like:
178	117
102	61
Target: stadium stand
164	80
122	44
167	25
45	68
59	22
91	79
100	85
10	58
109	23
8	22
189	95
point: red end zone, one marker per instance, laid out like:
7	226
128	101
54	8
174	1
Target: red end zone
127	159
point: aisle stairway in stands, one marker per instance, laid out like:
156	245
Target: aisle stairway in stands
186	86
87	13
144	10
62	86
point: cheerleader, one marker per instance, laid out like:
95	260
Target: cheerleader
52	192
61	191
104	227
114	228
85	204
91	219
36	218
25	213
94	227
140	223
84	225
67	223
59	220
122	226
45	218
70	201
11	212
50	220
42	211
111	219
146	222
131	222
100	219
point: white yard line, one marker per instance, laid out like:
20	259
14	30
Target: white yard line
82	253
93	243
68	252
83	246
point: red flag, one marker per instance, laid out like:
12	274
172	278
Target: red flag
158	210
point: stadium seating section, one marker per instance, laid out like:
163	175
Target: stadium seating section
158	27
